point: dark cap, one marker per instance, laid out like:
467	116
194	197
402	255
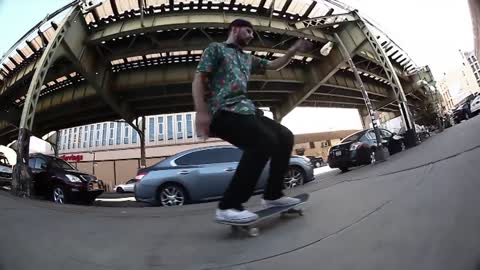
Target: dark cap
239	23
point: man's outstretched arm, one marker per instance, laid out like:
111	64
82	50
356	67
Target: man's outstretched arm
299	46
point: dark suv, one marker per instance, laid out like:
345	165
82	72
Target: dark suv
61	182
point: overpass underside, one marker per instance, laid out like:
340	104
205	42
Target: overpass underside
112	62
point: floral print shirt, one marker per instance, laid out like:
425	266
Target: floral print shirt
228	70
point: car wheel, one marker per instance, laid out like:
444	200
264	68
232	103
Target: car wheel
171	195
59	195
344	169
120	190
402	146
317	164
372	156
295	176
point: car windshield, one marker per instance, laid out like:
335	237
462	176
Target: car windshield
61	164
353	137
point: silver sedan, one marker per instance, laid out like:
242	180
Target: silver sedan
203	174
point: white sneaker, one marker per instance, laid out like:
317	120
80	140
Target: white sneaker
234	215
283	201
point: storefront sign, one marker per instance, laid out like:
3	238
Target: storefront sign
75	158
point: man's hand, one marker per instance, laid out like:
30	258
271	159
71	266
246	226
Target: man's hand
202	125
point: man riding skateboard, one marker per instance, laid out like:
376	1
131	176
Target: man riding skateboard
223	110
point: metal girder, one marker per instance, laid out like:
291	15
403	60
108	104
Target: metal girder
319	73
158	22
183	74
346	81
87	62
391	74
146	47
325	21
22	175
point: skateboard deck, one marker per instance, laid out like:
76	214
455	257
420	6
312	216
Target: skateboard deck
250	227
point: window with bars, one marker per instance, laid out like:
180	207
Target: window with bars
97	139
189	126
80	132
169	127
160	128
179	127
69	138
85	137
104	134
74	144
126	137
119	134
111	136
151	129
91	134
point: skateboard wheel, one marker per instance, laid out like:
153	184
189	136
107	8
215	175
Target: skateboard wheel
300	212
253	232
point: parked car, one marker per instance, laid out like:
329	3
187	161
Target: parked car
5	171
359	148
317	162
462	110
59	181
475	106
203	174
127	187
421	132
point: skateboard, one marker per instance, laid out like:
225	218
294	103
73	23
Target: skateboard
250	227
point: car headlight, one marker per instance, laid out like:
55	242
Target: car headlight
73	178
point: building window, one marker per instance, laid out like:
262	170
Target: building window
85	137
80	133
169	127
104	134
160	128
125	138
69	138
476	76
179	127
97	141
91	135
312	145
111	135
74	145
189	126
119	133
151	129
134	135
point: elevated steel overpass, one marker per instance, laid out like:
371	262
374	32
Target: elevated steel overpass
124	59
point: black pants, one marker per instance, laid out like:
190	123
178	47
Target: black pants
261	139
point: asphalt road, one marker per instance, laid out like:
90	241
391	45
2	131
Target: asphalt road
417	210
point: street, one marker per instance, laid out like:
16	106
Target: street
417	210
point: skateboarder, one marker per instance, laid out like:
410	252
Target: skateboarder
223	110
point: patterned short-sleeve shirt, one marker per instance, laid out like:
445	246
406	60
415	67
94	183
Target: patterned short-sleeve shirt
228	70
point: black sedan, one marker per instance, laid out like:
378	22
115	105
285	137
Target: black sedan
359	148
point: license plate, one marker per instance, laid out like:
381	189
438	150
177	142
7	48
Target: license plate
93	186
338	153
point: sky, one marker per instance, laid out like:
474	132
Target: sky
431	31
